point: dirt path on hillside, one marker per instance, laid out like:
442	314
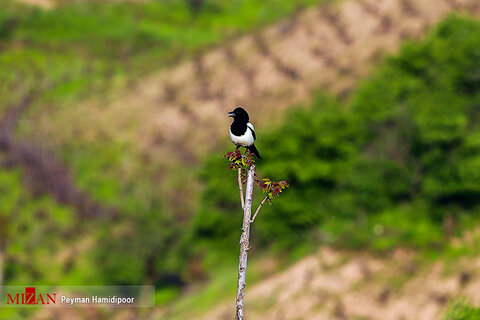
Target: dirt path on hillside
324	286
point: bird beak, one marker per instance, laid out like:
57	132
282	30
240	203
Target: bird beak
231	114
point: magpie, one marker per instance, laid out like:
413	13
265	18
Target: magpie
242	131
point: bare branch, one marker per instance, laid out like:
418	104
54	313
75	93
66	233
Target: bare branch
240	186
244	244
258	209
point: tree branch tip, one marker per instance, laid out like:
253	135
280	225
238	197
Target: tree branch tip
237	160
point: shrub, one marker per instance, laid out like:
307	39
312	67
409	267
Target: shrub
462	311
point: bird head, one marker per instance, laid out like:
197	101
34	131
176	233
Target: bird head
239	113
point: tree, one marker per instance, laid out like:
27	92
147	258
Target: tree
245	166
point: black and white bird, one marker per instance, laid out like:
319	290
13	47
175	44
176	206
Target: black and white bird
242	131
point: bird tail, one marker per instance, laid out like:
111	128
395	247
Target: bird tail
254	150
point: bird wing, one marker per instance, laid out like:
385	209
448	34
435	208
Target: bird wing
250	126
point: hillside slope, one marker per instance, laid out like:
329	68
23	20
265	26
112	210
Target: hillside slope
324	286
167	122
174	118
148	140
327	47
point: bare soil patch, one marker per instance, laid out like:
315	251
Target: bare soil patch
323	286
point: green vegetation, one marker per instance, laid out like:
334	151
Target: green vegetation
33	233
79	51
89	46
462	311
398	164
394	165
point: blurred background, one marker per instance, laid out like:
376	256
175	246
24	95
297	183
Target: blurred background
113	129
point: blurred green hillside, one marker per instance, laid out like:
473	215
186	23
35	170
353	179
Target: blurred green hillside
81	49
56	58
87	47
396	163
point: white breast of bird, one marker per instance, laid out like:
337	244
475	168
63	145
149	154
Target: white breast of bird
244	140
